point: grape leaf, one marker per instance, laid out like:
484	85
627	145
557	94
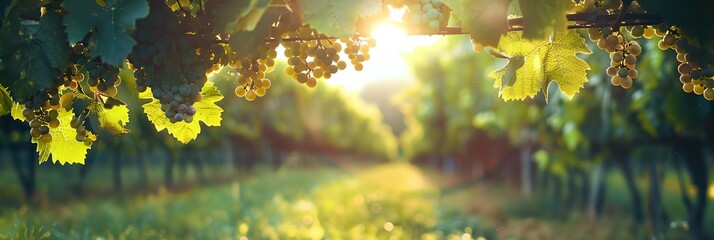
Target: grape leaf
5	101
110	121
64	147
691	19
548	60
484	20
337	18
543	18
113	21
232	16
37	54
246	42
206	111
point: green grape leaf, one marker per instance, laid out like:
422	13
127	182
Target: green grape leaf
247	42
37	54
543	18
206	111
64	147
111	121
691	19
337	18
546	61
484	20
5	101
113	21
232	16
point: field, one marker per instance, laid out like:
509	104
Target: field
391	201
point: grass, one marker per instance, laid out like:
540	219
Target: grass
391	201
387	202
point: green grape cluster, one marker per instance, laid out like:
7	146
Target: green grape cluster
78	123
623	55
71	77
316	56
696	73
41	112
425	13
252	69
103	78
251	80
173	54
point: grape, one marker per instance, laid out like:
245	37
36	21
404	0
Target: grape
698	89
630	60
709	94
684	68
179	117
35	123
46	138
611	71
54	123
626	82
633	73
623	72
688	87
685	78
637	31
35	133
634	48
240	91
44	130
649	32
616	80
250	95
28	114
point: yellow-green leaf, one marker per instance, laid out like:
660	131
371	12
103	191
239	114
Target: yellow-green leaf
5	101
64	147
111	120
553	59
206	111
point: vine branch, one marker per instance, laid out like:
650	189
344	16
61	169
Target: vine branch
582	21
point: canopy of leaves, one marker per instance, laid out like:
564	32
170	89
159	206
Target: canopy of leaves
113	21
206	111
337	18
34	51
548	60
64	147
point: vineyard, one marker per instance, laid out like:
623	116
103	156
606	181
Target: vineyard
587	111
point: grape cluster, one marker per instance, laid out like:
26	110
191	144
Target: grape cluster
41	112
623	55
425	13
71	77
696	74
318	57
174	52
103	78
78	123
252	69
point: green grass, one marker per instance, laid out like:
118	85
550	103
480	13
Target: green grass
386	202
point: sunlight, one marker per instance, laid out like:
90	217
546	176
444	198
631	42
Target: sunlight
386	61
